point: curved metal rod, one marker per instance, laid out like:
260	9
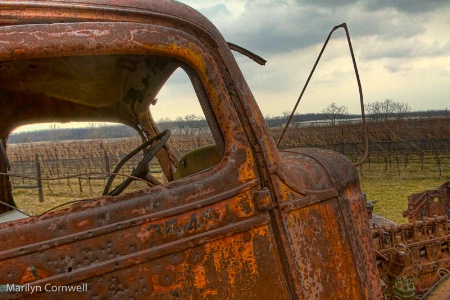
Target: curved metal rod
258	59
361	99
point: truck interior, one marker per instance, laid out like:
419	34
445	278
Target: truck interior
123	89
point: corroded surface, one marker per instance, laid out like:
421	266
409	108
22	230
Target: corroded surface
259	225
426	237
427	242
327	227
428	203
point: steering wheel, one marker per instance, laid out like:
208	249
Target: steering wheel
142	171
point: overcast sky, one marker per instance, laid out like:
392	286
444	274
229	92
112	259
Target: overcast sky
402	49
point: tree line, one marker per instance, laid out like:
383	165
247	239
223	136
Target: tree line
380	111
192	124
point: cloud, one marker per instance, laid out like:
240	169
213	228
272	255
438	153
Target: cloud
397	68
394	41
405	48
327	3
385	24
408	6
273	27
217	12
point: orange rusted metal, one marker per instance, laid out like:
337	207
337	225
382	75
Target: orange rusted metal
425	238
261	224
428	204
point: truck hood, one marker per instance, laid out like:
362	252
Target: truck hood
317	169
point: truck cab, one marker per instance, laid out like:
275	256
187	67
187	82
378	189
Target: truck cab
238	219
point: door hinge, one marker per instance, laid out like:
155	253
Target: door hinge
263	199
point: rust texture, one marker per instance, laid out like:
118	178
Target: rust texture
428	203
441	289
261	224
427	243
426	237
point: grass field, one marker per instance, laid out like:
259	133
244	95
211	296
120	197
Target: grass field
391	187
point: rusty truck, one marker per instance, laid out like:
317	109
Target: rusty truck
238	219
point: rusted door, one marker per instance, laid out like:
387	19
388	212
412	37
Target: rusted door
198	240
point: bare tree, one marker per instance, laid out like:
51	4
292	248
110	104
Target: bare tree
192	124
373	110
369	109
334	112
402	109
386	110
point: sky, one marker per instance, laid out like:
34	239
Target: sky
402	49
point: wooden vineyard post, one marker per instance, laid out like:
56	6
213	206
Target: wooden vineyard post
106	163
438	162
39	179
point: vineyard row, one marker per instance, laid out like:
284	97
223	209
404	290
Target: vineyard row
421	142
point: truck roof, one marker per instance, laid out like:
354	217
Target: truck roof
13	12
57	63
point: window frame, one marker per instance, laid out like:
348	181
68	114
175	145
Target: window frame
146	39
